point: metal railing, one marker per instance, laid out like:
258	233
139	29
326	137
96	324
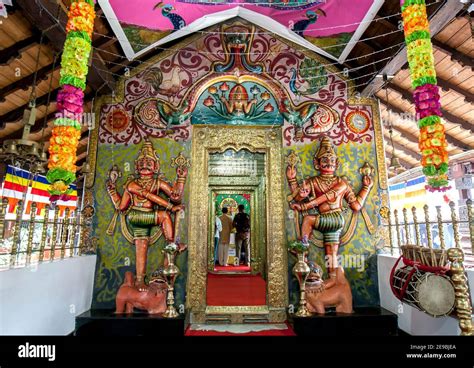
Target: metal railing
34	239
454	230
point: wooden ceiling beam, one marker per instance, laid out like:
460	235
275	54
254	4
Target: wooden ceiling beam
416	156
407	95
442	17
455	55
17	114
14	51
26	82
449	138
446	86
42	14
39	123
35	129
386	22
103	42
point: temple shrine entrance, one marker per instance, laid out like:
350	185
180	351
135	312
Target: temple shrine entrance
238	179
232	166
236	270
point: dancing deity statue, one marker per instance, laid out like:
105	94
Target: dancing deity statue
142	205
325	192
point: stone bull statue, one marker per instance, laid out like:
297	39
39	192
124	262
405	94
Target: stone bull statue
152	300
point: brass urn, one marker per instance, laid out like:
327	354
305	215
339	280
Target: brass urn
301	270
170	273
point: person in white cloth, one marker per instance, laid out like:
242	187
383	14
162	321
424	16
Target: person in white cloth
224	237
216	239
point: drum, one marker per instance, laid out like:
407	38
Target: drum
429	292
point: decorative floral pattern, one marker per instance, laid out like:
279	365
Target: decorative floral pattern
67	127
194	62
426	95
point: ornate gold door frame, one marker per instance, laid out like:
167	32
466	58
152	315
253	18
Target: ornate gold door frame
211	139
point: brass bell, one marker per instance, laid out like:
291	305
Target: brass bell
395	163
34	151
43	156
85	168
11	148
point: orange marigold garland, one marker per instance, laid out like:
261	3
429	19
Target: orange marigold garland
426	95
74	67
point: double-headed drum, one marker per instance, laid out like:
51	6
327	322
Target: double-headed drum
426	291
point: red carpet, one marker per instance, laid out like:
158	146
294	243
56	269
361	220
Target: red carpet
287	332
235	290
240	268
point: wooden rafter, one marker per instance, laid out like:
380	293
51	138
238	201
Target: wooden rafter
42	13
456	143
446	86
17	114
35	129
415	155
449	138
442	17
386	22
39	123
455	55
409	137
446	114
26	82
15	50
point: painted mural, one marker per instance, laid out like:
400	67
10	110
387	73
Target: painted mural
232	202
332	26
237	103
267	82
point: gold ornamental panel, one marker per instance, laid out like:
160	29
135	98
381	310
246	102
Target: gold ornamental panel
212	139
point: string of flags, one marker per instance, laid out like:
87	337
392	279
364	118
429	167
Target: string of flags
20	184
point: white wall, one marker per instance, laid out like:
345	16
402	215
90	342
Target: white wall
44	299
410	319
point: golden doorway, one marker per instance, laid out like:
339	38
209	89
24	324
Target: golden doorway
208	140
238	178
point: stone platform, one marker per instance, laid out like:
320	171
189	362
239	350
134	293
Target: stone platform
106	323
363	322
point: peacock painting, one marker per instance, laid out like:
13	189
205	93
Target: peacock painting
166	10
311	17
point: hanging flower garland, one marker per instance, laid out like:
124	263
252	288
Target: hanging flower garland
67	126
426	95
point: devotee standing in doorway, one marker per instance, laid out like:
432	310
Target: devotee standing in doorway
224	238
218	229
242	224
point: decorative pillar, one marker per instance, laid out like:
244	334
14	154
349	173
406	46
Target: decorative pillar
74	67
432	141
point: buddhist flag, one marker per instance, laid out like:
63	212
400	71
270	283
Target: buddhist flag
22	185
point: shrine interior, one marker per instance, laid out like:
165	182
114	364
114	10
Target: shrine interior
236	168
